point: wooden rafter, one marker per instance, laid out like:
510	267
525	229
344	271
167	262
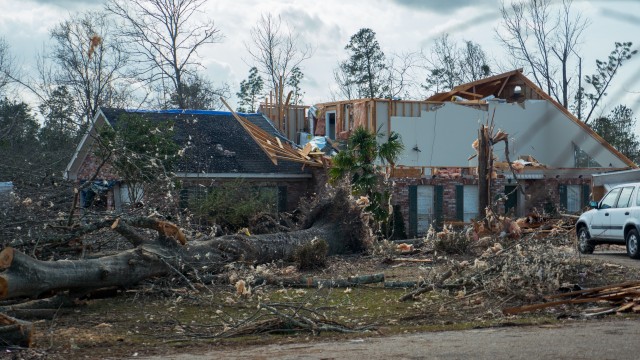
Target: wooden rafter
272	146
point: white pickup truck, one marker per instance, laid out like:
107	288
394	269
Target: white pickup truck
613	220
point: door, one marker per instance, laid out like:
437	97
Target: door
601	220
620	213
425	208
330	125
511	205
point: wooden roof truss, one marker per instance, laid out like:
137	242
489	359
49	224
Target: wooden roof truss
272	146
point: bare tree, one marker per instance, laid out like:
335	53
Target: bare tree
87	60
345	88
442	65
474	64
277	51
400	74
165	39
449	64
543	40
6	65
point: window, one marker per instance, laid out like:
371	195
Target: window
330	125
469	199
625	197
425	208
609	200
574	198
131	194
582	159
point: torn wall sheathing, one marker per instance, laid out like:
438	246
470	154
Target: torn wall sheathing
438	133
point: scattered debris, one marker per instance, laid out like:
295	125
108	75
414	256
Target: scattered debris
624	297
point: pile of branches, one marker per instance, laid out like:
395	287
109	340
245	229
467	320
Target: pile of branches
617	298
522	269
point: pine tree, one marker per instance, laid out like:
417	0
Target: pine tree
618	129
366	65
250	91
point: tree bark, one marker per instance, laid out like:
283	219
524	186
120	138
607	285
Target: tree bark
336	221
14	332
26	276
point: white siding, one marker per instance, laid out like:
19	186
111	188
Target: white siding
443	137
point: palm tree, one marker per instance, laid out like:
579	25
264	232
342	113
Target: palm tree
358	163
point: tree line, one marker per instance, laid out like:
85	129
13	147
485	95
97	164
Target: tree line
145	53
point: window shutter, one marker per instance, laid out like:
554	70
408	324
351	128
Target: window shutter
413	210
184	198
586	192
460	202
562	189
439	206
282	198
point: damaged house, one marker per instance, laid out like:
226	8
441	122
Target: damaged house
218	147
435	180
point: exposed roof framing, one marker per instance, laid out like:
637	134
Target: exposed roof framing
495	85
272	146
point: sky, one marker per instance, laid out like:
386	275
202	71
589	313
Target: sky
401	26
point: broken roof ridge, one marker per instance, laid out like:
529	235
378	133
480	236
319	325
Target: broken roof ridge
488	79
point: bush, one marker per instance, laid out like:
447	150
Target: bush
231	205
450	242
312	255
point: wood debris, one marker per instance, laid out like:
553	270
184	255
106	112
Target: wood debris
273	147
623	297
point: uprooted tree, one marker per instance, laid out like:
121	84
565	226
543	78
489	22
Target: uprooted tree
334	218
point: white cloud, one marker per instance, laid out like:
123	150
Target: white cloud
400	25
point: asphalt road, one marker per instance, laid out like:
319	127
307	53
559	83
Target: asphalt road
614	254
576	340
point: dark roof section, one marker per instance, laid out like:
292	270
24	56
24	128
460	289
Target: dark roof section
216	142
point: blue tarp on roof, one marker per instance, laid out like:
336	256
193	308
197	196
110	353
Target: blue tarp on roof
188	112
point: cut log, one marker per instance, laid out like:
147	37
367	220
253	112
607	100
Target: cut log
46	308
14	332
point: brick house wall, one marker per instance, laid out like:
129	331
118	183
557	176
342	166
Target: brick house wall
290	191
540	194
90	165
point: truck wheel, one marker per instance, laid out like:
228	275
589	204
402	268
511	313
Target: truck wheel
584	245
633	244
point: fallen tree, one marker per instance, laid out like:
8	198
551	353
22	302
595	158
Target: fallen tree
333	218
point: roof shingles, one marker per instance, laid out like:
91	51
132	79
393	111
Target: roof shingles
215	142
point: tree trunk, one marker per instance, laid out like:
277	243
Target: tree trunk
14	332
484	171
337	222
